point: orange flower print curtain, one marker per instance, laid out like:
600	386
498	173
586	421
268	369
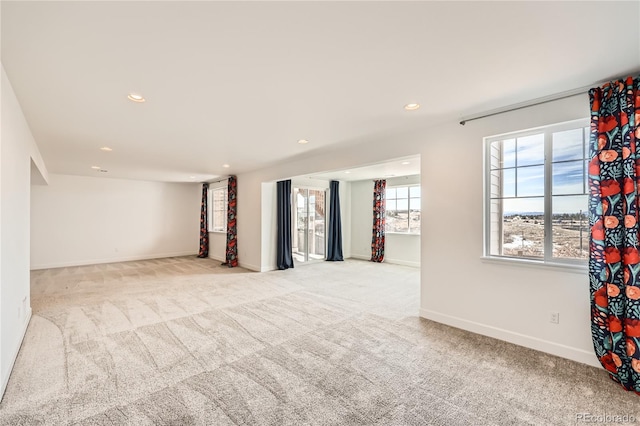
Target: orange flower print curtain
377	240
232	229
204	231
614	261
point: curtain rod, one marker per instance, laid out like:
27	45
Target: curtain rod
537	101
218	181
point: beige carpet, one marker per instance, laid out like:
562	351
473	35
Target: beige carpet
183	341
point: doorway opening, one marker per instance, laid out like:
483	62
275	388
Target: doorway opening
309	224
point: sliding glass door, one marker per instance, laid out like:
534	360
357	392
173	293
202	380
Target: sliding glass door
308	224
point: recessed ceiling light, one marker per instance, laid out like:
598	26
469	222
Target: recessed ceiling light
96	167
103	171
411	107
226	166
136	97
192	177
404	163
347	172
106	149
302	141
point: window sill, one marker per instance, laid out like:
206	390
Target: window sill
530	263
217	232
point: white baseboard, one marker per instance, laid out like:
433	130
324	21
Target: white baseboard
220	258
563	351
402	262
360	257
249	266
386	260
111	260
14	355
240	264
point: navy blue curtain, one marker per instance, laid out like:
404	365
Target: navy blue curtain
284	258
334	245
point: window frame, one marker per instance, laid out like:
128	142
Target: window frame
210	209
408	186
548	131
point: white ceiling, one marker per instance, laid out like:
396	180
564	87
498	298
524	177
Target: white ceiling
397	167
241	82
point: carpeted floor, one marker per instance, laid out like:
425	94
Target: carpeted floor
184	341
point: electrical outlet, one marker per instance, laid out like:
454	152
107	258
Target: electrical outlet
554	318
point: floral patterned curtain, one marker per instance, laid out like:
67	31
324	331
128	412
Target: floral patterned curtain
377	239
204	227
614	262
232	231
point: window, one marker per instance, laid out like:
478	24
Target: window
536	193
217	210
403	209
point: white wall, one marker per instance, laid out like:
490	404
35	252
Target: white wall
17	151
361	218
268	228
507	301
401	249
78	220
345	216
218	246
457	287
